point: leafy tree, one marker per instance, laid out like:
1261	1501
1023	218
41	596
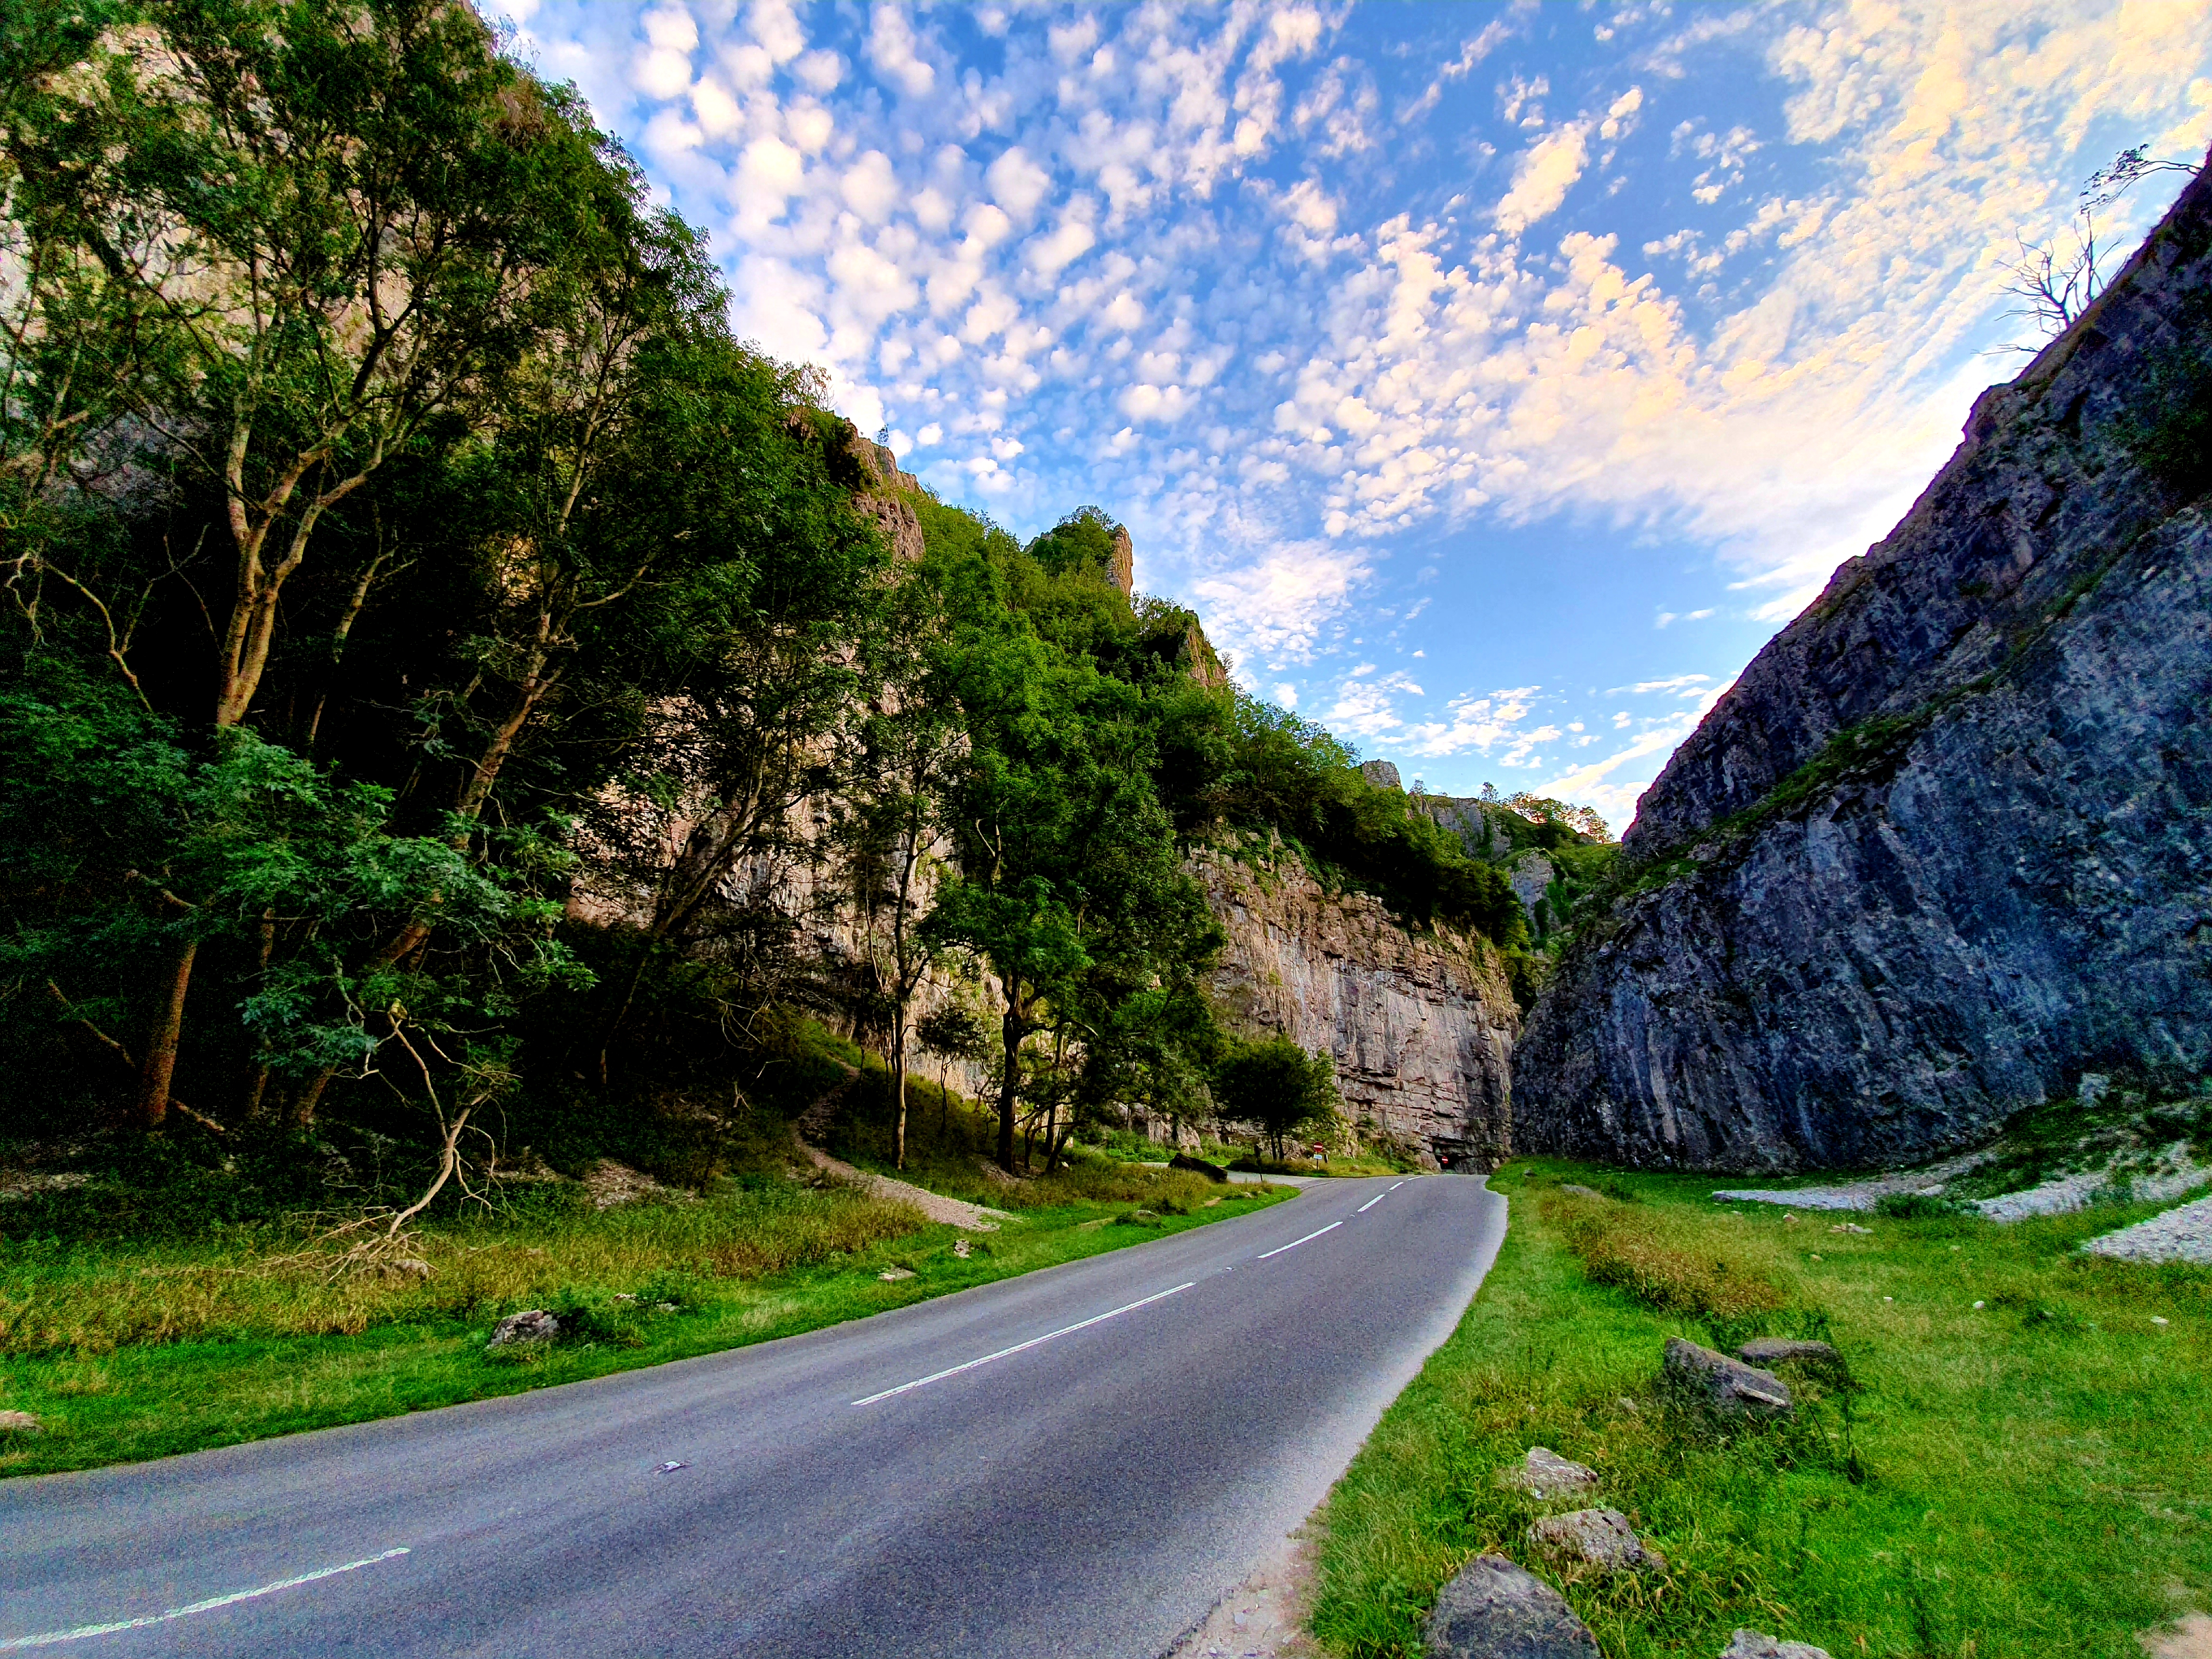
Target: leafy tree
1277	1085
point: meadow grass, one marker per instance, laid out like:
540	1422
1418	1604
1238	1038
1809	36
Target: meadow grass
134	1349
2030	1478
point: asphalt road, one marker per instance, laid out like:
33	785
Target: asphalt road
1166	1413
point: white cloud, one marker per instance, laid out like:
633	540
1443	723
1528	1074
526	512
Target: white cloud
1543	176
891	50
1017	184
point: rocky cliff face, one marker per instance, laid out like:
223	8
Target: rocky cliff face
1422	1025
1947	843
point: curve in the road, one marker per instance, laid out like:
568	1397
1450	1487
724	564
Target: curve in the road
1075	1463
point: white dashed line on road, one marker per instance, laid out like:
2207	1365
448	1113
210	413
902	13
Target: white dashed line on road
1082	1324
50	1638
1295	1242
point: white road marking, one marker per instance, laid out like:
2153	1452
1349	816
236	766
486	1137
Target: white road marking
1084	1324
1373	1201
1295	1242
50	1637
1394	1186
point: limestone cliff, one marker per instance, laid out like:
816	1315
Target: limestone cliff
1944	847
1421	1024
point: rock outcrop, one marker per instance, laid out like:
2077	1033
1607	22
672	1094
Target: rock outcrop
1942	847
1422	1024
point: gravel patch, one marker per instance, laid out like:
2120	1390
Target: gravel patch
2180	1235
1857	1194
2173	1174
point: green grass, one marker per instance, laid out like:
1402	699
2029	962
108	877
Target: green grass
2031	1479
135	1349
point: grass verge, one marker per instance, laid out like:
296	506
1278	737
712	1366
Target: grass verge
2031	1478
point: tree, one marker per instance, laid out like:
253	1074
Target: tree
2053	285
910	753
1277	1085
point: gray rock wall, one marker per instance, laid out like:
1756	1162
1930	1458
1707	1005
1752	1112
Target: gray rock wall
1947	843
1422	1024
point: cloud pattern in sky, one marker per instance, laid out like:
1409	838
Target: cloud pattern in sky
1492	380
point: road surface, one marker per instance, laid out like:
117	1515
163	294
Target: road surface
1075	1464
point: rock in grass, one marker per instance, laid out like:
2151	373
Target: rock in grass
18	1423
1774	1350
1579	1190
531	1325
1756	1644
1595	1538
896	1273
1725	1386
1198	1166
1493	1609
1544	1474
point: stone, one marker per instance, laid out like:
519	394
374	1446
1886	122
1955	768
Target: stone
18	1423
1382	774
1956	809
1775	1349
1545	1475
1756	1644
894	1275
1493	1609
1850	1227
1198	1166
531	1325
1595	1538
1579	1190
1725	1386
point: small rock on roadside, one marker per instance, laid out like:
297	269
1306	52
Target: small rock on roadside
1756	1644
18	1423
1492	1609
1850	1227
893	1273
1579	1190
1727	1386
531	1325
1596	1538
1544	1473
1774	1350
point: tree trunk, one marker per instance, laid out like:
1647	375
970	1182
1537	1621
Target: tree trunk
898	1078
161	1044
1009	1082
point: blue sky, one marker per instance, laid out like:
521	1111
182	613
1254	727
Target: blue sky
1493	379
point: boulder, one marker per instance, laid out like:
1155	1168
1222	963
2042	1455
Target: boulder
1595	1538
1725	1386
1544	1474
1198	1166
531	1325
1757	1644
1579	1190
1775	1350
18	1423
1493	1609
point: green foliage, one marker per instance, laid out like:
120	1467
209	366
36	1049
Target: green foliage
1277	1085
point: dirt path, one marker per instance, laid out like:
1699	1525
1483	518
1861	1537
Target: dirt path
815	1121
